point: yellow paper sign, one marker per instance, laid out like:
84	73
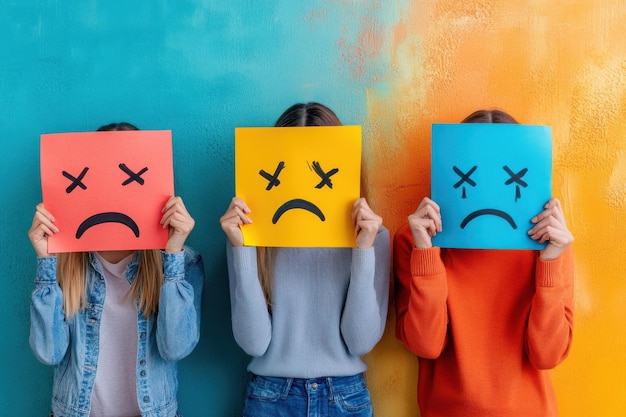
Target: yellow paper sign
300	184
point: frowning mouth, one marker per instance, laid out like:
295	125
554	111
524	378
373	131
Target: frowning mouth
297	203
108	217
488	212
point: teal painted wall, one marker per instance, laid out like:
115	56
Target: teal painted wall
199	68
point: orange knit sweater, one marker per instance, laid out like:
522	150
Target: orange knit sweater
486	326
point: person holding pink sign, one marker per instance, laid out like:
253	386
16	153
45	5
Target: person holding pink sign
114	323
486	324
307	314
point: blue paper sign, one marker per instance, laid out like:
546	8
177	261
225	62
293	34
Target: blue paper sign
490	180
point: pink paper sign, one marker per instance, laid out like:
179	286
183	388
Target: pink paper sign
106	190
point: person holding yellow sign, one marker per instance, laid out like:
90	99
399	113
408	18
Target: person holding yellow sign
306	314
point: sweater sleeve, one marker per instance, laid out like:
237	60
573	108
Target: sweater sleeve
49	332
421	292
365	311
178	320
251	320
550	324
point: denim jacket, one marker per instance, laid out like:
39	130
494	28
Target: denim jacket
72	345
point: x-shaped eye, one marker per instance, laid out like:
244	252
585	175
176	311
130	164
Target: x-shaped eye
132	176
273	179
464	178
517	179
76	181
325	176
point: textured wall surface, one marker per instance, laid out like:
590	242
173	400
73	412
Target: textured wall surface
559	63
203	67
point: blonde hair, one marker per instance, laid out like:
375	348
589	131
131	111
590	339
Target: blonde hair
265	265
72	272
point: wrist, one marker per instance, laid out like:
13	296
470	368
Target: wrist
173	249
550	252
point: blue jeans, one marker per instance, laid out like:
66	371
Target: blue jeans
317	397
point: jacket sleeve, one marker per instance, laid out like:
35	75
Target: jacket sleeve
365	310
178	319
49	332
421	292
251	320
550	323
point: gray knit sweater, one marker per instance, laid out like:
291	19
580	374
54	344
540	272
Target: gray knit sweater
329	307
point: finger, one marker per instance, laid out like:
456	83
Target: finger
368	226
358	205
175	203
551	209
432	228
40	232
238	202
40	209
364	213
361	211
434	214
552	221
169	203
557	237
427	202
557	211
419	224
236	214
165	219
429	212
181	224
553	202
42	219
544	233
173	212
539	229
175	206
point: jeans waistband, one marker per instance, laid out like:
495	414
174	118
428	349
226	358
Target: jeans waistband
283	385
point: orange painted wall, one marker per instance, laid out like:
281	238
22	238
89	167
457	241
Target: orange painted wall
560	63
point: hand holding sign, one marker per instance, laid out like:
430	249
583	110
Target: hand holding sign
366	223
41	228
236	215
550	227
179	223
425	223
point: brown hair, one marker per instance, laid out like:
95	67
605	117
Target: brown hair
298	115
489	116
72	270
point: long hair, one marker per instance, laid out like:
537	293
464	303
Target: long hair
489	116
298	115
72	270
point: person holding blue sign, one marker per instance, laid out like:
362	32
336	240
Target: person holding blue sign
486	322
307	314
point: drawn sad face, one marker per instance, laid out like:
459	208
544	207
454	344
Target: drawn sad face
299	203
513	178
490	180
106	189
300	184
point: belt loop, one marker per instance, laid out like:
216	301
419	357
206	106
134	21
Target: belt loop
329	381
286	388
